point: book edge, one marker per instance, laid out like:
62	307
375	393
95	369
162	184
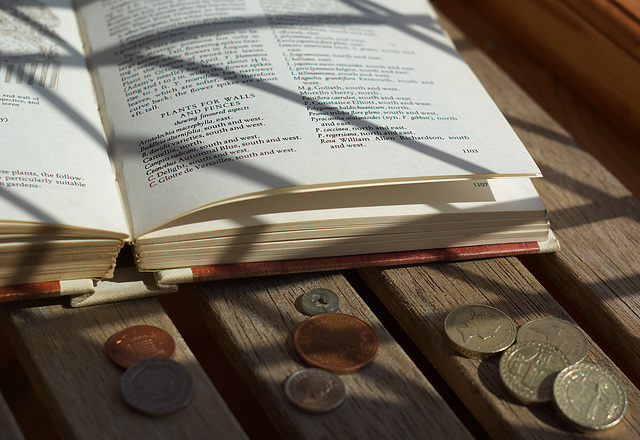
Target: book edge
387	259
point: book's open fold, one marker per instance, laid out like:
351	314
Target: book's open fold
355	221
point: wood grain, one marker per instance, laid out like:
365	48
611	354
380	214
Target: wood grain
254	321
561	37
63	351
420	297
10	429
617	21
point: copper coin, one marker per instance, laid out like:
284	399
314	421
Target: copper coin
336	342
139	342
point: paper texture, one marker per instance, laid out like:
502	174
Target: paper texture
55	168
208	103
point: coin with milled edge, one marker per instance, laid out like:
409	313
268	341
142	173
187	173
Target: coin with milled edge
527	370
157	386
314	390
138	342
336	342
569	338
479	331
589	397
319	300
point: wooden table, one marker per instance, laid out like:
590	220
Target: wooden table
235	337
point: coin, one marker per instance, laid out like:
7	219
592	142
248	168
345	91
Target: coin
527	370
157	386
589	397
479	331
314	390
336	342
319	300
138	342
569	338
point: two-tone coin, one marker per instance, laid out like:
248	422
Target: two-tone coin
138	342
589	397
528	369
157	386
479	331
314	390
336	342
569	338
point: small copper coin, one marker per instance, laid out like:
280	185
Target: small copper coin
314	390
138	342
157	386
336	342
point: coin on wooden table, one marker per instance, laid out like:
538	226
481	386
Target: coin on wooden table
138	342
314	390
589	397
319	300
157	386
336	342
528	369
479	331
569	338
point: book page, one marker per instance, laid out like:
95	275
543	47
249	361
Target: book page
209	101
443	203
55	167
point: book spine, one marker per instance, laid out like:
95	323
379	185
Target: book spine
47	289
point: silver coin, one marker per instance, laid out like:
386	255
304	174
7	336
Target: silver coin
157	386
569	338
479	331
527	370
314	390
589	397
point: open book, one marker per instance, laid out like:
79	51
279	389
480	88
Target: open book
239	132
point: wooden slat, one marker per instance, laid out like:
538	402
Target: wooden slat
420	297
9	429
618	21
254	321
590	129
594	216
631	7
63	352
569	45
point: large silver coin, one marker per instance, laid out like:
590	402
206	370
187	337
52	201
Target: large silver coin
528	369
569	338
314	390
589	397
479	331
157	386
